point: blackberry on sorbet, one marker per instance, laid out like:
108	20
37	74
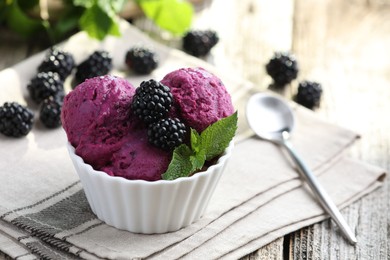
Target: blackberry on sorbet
167	133
50	112
152	101
309	94
141	60
15	119
44	85
98	63
283	68
199	42
58	61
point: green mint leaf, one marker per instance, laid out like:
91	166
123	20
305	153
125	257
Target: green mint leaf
198	160
180	165
186	160
199	156
195	141
172	15
216	137
209	144
98	22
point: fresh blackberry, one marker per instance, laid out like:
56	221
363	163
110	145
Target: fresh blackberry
199	43
44	85
167	133
50	112
141	60
59	96
283	68
98	63
15	119
309	94
152	101
58	61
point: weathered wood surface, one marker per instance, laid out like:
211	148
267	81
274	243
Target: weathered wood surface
345	45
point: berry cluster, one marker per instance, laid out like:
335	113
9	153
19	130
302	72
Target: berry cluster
50	111
199	43
167	133
46	89
283	69
58	61
141	60
151	103
309	94
99	63
15	119
45	85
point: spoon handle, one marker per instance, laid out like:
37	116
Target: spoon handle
320	193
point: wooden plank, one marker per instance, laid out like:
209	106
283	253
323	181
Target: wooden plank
272	251
344	45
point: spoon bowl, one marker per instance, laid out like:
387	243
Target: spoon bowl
271	118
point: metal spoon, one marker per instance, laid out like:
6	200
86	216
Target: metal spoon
272	119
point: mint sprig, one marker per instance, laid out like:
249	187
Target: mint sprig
203	147
215	138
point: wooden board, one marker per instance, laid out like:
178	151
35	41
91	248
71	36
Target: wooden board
345	45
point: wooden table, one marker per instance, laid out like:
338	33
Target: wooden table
344	45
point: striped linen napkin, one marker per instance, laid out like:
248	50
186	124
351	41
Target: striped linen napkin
44	212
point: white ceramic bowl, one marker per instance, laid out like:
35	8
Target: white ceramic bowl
148	207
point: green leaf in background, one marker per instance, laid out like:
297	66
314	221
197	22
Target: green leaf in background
3	10
172	15
98	22
27	4
106	6
19	22
117	5
68	21
83	3
97	17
